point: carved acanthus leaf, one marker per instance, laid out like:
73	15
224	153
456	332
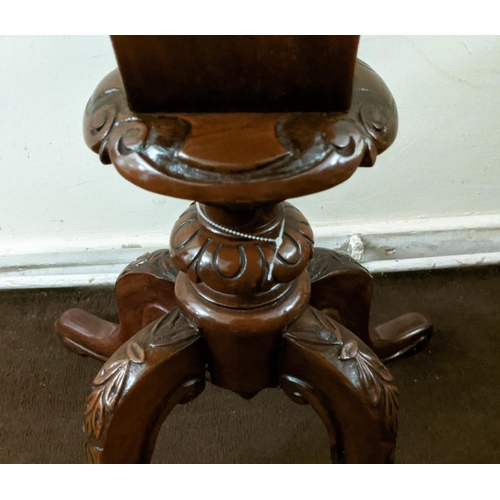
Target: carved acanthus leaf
173	329
319	330
374	379
158	263
108	387
325	262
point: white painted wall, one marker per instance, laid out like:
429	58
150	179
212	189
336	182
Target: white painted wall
55	196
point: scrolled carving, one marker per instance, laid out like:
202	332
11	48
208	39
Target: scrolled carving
302	393
110	128
234	265
318	150
374	110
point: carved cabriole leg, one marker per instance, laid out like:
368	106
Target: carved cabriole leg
144	292
342	289
325	365
161	366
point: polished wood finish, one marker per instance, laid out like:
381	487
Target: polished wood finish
239	73
161	366
242	299
217	159
342	289
327	366
144	292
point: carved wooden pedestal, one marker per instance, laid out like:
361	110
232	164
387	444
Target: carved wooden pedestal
231	302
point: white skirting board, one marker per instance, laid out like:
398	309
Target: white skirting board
410	245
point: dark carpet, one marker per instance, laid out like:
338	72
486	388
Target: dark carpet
450	397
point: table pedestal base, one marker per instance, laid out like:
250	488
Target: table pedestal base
328	358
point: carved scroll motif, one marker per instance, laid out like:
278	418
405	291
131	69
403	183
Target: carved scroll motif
119	136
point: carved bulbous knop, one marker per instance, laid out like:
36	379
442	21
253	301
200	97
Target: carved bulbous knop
235	265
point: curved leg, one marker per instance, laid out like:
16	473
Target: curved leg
342	289
161	366
327	366
144	292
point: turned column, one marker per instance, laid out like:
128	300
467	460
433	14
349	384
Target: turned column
242	291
